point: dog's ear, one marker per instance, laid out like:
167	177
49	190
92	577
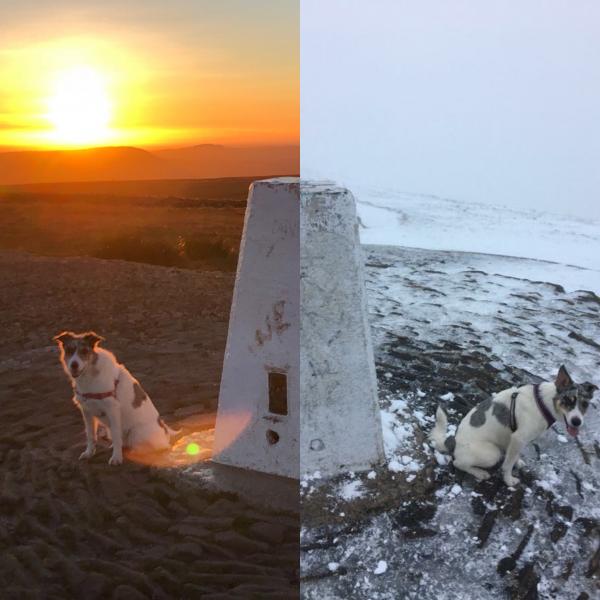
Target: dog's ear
63	337
563	379
92	338
589	388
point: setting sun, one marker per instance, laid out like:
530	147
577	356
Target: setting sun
79	108
115	75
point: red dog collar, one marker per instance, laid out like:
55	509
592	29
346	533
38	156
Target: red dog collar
100	395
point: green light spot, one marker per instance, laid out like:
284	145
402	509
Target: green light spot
192	449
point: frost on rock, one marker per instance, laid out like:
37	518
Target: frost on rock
452	328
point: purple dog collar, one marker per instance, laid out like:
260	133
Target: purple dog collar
540	404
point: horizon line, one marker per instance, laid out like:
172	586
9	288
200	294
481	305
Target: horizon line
149	148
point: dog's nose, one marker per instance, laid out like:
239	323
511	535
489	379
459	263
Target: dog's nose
576	421
74	366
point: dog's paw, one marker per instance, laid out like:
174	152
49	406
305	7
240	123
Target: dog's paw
115	460
87	454
511	481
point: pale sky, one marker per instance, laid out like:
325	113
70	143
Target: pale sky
489	101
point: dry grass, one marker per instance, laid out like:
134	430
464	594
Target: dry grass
186	232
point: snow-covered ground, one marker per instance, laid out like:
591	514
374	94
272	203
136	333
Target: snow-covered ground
423	221
453	327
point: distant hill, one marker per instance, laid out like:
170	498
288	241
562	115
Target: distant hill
209	160
80	165
127	163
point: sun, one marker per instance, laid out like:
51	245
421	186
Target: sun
79	107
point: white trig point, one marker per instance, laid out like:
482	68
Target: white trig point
339	415
258	417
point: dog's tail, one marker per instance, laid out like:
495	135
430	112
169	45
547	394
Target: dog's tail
438	434
174	434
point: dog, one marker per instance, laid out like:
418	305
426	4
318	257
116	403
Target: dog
509	421
108	394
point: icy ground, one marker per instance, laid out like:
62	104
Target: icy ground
424	221
453	327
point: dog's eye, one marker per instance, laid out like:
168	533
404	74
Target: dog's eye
584	404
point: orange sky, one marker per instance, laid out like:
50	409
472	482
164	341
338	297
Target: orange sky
151	73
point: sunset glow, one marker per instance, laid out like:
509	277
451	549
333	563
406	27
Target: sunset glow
88	74
193	448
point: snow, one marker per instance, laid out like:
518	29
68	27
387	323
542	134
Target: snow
381	568
398	426
351	490
456	490
432	297
394	218
438	296
395	432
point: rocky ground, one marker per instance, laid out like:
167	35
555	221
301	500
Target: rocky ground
70	529
452	328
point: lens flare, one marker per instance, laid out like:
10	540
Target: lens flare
192	449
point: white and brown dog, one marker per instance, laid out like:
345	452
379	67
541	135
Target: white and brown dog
106	392
509	421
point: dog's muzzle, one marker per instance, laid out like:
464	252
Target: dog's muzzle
76	370
573	425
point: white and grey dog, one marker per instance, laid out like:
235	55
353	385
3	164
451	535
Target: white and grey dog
509	421
106	392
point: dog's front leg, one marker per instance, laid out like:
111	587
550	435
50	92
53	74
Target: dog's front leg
114	422
90	435
512	456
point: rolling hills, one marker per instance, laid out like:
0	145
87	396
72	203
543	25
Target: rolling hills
122	163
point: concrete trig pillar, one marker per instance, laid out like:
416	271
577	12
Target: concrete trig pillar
258	418
340	422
